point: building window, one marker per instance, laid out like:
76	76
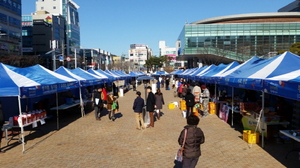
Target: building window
42	8
54	7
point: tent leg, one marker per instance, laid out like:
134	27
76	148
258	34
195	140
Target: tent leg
21	125
81	103
263	120
57	117
232	103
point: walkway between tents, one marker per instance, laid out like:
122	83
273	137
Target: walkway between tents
85	142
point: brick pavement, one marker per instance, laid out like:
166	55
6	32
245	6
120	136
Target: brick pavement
86	142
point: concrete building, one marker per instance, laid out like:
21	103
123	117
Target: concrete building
95	59
237	37
43	32
138	54
10	28
170	52
68	9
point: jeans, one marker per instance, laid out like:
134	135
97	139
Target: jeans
205	107
139	120
98	112
189	110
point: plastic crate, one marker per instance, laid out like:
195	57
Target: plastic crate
212	107
171	106
250	136
182	105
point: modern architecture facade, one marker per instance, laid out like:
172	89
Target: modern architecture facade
291	7
237	37
69	10
138	54
10	28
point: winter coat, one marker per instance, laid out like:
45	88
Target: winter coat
190	100
150	102
194	138
159	101
2	119
138	105
98	95
197	93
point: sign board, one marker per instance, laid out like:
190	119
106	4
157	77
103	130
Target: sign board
68	59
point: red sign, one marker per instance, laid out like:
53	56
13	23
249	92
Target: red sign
68	59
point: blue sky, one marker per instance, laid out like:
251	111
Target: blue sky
112	25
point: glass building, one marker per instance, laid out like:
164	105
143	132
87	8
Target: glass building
239	37
10	28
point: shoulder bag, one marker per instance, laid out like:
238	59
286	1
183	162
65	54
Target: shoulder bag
179	155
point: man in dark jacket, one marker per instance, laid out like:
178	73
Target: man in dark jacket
190	102
1	124
98	104
138	106
150	105
194	138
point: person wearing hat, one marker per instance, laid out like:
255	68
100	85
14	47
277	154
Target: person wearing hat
150	106
138	105
1	124
205	98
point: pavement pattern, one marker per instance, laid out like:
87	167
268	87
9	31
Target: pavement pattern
86	142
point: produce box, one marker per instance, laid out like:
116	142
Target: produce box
250	136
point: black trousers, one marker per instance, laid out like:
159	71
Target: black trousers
189	110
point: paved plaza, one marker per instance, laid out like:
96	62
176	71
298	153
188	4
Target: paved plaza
85	142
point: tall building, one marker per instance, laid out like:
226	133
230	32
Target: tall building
10	28
291	7
164	50
237	37
68	9
138	54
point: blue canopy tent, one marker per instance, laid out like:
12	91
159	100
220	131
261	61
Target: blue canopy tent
94	72
14	85
204	70
176	72
83	82
119	77
187	72
132	74
91	79
110	77
192	74
160	73
208	77
52	82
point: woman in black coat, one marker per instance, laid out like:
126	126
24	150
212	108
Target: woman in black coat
190	102
159	102
150	106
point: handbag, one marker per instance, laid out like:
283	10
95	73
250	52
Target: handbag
179	154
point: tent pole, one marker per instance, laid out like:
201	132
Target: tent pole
81	102
263	119
57	117
21	125
232	103
215	91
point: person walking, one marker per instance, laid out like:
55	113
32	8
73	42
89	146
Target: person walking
162	82
98	104
159	102
158	84
2	120
205	98
115	90
110	100
167	83
190	102
197	93
150	106
193	139
138	106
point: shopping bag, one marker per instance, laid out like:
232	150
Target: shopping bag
178	156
